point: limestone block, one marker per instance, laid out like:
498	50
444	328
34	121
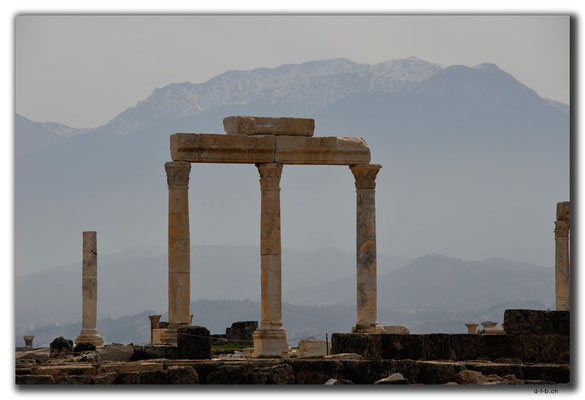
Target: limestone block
135	367
248	125
116	352
157	335
244	149
396	329
330	150
193	342
312	348
270	342
179	375
214	148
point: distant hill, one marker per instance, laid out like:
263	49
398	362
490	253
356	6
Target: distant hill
136	280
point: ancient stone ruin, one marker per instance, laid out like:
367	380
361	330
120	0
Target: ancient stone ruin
268	143
562	260
89	333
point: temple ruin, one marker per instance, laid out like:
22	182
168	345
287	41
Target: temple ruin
562	258
268	143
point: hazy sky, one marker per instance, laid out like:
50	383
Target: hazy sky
84	70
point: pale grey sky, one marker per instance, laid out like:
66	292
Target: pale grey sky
84	70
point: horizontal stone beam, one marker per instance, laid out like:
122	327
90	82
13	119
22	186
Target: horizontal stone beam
330	150
244	149
248	125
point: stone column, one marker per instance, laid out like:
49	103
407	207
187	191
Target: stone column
562	262
367	302
154	324
89	333
472	328
270	337
179	263
28	341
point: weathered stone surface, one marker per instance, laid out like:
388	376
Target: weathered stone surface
28	340
394	379
214	148
538	322
312	348
248	125
157	335
105	379
149	352
276	375
130	367
89	284
83	346
65	370
182	375
366	258
396	329
34	380
530	348
244	149
193	342
315	372
116	352
228	375
344	356
467	377
241	331
330	150
61	347
74	380
365	344
159	377
334	381
127	378
471	329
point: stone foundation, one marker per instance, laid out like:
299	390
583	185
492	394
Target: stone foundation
289	371
538	322
550	348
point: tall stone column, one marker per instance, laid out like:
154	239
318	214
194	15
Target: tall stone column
270	337
89	333
562	261
366	275
179	262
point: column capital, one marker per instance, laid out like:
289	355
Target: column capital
365	175
270	174
178	173
561	229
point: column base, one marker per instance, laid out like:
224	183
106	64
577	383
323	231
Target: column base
169	335
270	342
367	328
90	336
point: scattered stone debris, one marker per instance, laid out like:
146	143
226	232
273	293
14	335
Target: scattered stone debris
334	381
61	347
84	346
116	352
394	379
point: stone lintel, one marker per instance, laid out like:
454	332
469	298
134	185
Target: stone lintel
330	150
243	149
248	125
